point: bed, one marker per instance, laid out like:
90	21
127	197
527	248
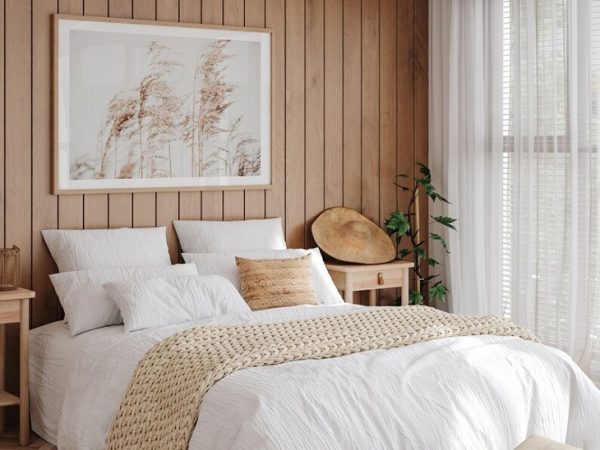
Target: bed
52	350
467	390
456	393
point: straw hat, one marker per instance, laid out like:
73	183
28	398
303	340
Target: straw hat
347	235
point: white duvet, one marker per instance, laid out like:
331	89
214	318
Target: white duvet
479	393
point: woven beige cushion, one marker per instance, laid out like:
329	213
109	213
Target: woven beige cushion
273	283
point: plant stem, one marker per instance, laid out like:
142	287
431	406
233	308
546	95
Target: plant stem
417	239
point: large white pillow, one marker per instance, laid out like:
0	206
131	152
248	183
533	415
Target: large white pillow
199	236
92	249
224	264
165	301
87	305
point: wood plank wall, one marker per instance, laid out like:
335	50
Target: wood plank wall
349	112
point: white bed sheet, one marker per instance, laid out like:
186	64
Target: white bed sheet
51	352
481	392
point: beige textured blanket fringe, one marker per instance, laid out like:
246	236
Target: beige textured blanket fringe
160	408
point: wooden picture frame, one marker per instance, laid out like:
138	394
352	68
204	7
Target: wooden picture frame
159	106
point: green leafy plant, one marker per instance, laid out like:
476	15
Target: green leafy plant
405	228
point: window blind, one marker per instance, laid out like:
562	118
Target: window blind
551	173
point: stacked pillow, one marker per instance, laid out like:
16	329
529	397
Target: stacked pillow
224	264
125	275
93	249
203	236
88	306
214	246
105	277
164	301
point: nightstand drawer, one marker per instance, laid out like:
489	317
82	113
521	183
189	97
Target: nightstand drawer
364	277
376	279
10	311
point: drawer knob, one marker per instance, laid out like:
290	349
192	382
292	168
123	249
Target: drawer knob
380	279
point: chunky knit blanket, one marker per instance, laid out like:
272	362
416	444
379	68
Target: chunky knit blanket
161	405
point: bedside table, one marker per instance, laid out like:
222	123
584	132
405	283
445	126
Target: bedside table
14	308
370	277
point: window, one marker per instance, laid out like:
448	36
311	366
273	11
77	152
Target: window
551	173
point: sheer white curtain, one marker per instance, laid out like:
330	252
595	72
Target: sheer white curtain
549	175
466	146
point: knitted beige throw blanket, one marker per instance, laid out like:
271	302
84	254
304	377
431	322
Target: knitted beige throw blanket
160	407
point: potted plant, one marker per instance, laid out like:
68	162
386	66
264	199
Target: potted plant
404	226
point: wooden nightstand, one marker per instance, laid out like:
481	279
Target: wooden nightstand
370	277
14	308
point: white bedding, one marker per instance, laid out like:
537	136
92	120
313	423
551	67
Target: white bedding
51	351
481	392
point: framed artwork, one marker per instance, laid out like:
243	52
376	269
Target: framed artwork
142	105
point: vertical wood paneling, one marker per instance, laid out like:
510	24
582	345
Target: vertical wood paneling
17	174
315	115
167	10
190	11
212	201
405	91
2	123
352	103
233	12
144	9
190	206
44	204
254	200
421	103
334	101
95	211
275	20
96	8
387	109
294	123
3	331
122	9
349	111
387	120
370	109
144	209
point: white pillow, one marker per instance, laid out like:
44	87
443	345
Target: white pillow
165	301
87	306
199	236
224	264
92	249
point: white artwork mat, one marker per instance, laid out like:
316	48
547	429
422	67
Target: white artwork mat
155	106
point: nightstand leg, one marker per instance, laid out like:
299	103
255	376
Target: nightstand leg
405	288
348	294
24	374
372	297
